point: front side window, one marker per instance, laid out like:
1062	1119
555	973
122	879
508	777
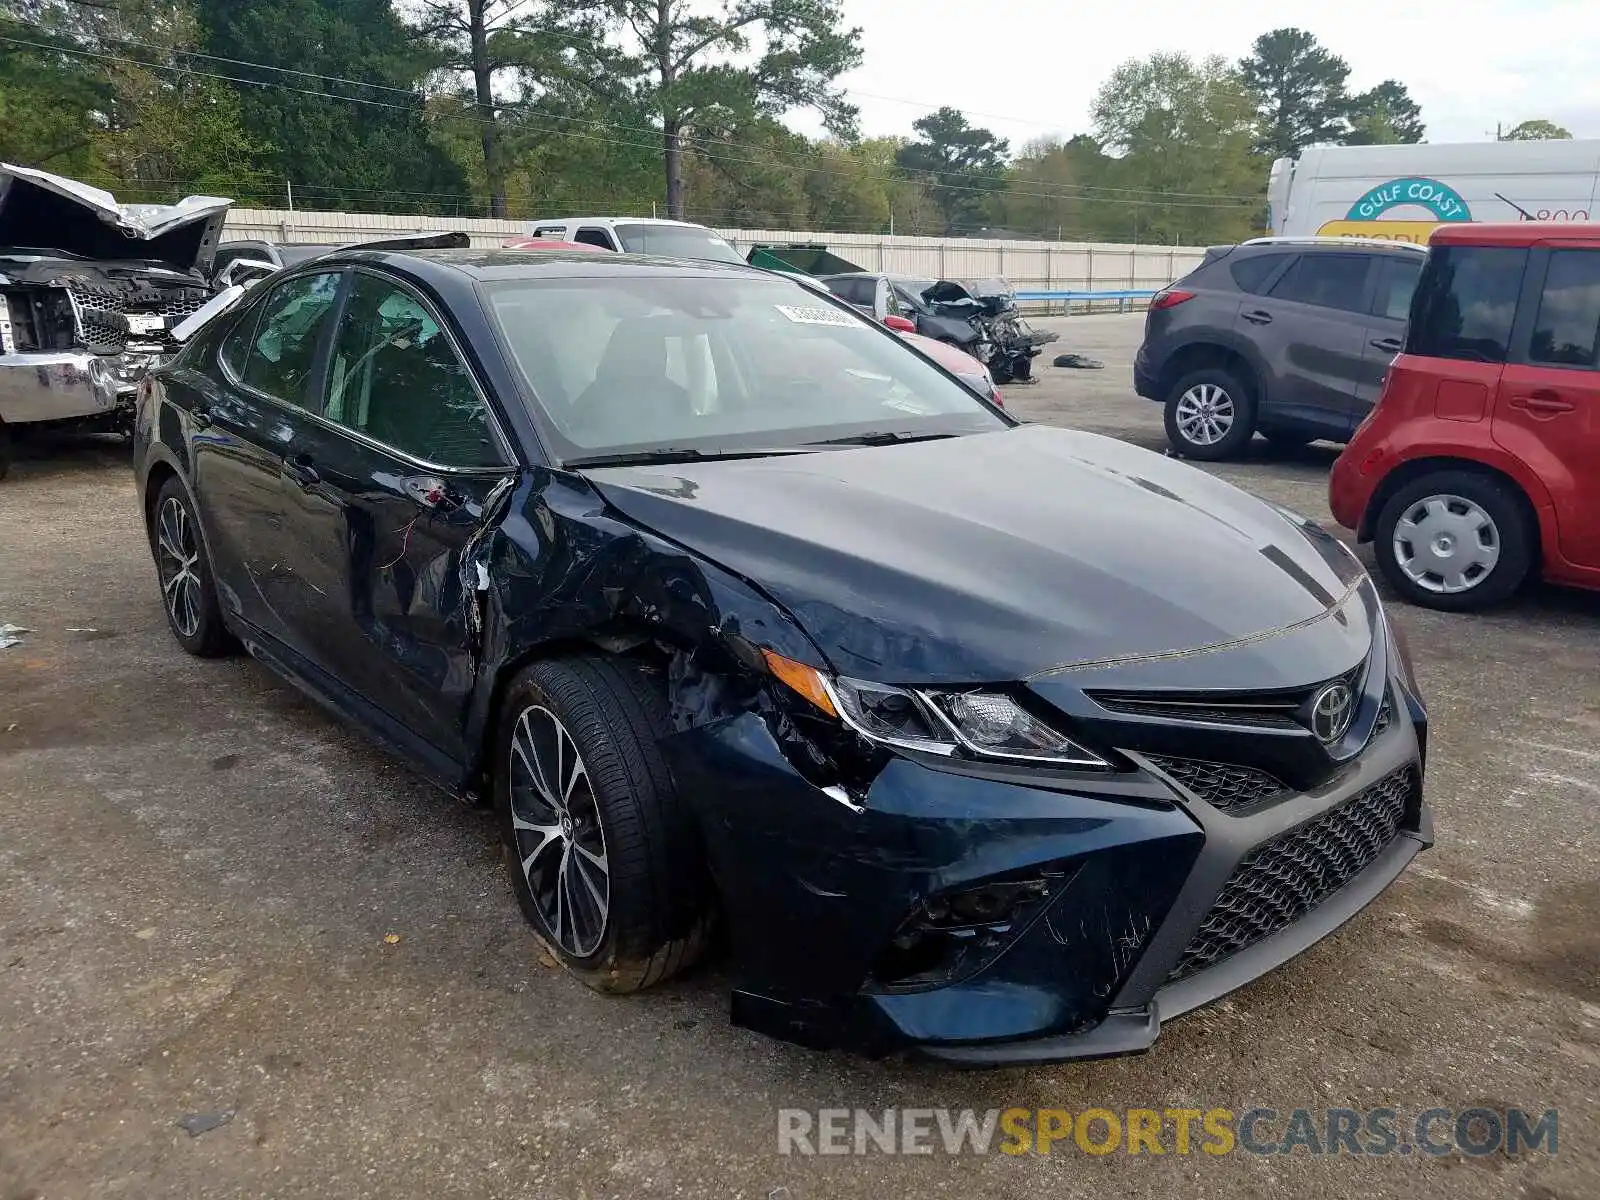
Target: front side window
594	237
396	378
1466	302
1326	280
1567	329
630	364
1397	281
283	352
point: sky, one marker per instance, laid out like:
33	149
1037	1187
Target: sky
1028	68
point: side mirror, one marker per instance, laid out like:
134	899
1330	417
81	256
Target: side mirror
900	324
214	307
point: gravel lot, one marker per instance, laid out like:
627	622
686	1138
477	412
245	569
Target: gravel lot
200	874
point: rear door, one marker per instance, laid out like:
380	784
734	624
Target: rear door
267	368
1386	326
1547	411
391	482
1311	332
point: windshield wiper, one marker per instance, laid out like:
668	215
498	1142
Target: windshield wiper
886	437
676	454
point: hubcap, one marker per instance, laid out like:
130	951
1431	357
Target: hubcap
178	565
1205	414
1446	544
560	842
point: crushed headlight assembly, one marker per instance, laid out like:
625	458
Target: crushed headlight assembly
982	724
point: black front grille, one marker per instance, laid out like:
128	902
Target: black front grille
1195	708
1225	786
1283	880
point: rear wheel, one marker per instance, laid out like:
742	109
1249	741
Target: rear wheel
1455	540
603	855
1210	414
188	591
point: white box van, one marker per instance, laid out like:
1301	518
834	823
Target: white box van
1402	192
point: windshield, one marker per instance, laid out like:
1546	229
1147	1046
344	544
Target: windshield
663	363
677	241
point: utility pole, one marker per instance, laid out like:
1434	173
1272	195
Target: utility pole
288	191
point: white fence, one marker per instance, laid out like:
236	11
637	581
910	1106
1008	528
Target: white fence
1030	266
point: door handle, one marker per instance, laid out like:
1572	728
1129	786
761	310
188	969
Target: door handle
200	416
1387	345
1542	404
298	468
1257	317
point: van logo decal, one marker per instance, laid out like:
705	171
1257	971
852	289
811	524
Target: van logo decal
1440	199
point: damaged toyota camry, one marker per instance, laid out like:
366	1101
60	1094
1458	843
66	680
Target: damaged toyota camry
997	742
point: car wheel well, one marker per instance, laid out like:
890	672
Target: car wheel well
153	483
614	639
1199	356
1417	468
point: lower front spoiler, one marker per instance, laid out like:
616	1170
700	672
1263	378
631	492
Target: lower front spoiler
1133	1031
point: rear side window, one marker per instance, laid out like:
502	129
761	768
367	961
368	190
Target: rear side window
1466	302
594	237
1251	274
1397	283
1567	329
1326	280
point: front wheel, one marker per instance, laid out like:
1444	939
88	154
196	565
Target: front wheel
1455	540
1210	415
603	854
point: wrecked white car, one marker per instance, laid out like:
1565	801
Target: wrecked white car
89	292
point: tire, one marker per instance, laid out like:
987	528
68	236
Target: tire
183	569
1221	393
1442	511
649	886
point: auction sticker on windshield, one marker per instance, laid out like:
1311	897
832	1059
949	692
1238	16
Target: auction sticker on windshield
801	315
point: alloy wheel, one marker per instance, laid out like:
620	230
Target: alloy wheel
178	565
1446	544
560	842
1205	413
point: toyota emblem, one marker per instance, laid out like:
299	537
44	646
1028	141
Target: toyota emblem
1331	713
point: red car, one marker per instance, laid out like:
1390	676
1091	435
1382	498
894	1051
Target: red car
1480	465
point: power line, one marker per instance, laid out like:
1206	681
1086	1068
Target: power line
1077	193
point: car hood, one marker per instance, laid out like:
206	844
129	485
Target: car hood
39	210
995	556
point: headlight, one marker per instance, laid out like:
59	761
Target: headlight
982	724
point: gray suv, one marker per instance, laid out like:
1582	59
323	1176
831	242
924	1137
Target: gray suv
1287	337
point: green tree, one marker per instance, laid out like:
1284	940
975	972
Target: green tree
1299	91
516	57
963	166
361	144
1383	116
1179	135
1536	131
1046	185
708	70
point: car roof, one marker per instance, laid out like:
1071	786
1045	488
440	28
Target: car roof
1333	243
1512	233
489	265
617	221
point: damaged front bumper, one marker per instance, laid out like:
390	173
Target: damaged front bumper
989	916
48	386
